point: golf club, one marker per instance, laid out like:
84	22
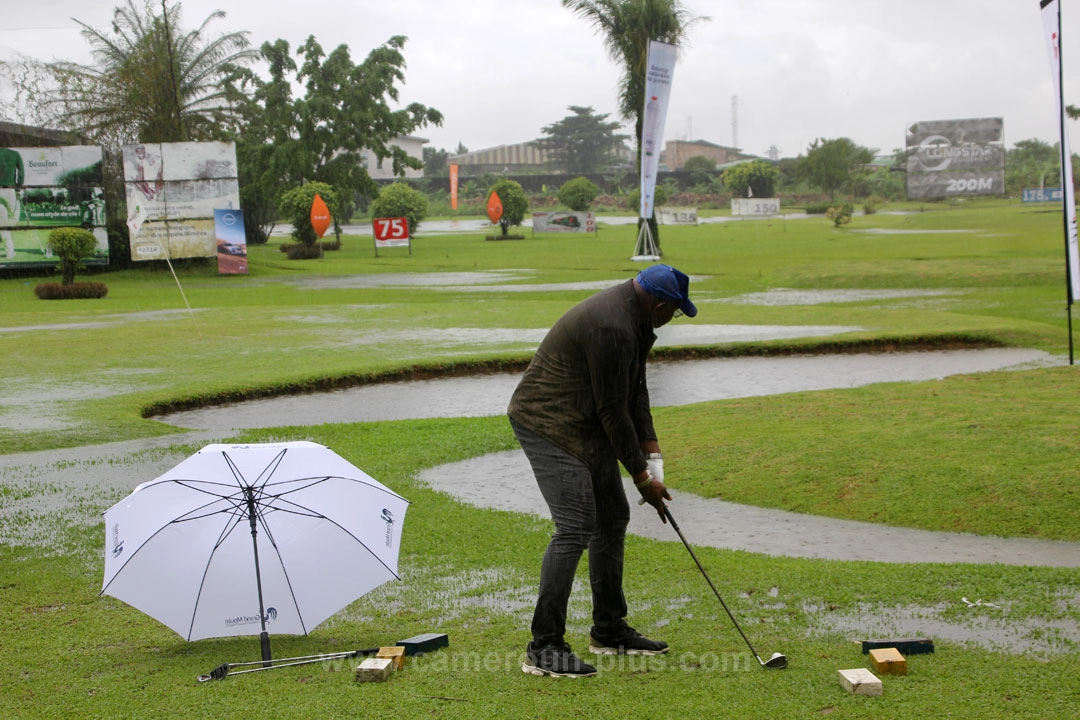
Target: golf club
777	661
225	669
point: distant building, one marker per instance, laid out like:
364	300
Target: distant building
16	135
677	152
384	169
503	158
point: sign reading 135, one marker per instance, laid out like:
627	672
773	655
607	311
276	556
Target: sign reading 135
391	231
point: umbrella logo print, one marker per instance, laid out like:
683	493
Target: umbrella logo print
388	518
117	543
271	614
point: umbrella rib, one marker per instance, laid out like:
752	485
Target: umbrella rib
231	523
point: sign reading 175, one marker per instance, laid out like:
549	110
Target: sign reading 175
389	230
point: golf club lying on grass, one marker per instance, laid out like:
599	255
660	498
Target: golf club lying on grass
221	671
777	661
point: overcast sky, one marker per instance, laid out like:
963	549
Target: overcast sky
500	70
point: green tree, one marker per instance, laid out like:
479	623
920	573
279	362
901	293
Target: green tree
702	169
578	194
288	141
1032	163
627	26
436	162
830	164
582	143
400	200
151	81
72	245
760	177
514	202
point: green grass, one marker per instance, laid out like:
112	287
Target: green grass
992	454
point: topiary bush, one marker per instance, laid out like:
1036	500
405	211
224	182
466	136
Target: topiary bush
295	206
71	245
401	200
513	200
578	194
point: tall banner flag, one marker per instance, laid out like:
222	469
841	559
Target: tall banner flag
660	68
453	185
1051	16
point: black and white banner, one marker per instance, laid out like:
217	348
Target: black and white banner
1051	16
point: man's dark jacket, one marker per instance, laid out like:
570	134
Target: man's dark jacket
585	389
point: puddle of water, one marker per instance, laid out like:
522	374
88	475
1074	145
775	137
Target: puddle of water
673	383
783	296
989	628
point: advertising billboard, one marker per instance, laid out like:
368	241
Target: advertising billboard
950	158
172	191
46	188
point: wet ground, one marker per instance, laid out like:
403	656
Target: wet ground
48	493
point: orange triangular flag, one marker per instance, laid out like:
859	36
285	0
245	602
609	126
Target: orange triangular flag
494	208
320	216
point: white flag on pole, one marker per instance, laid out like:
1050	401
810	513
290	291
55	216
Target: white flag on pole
660	70
1051	16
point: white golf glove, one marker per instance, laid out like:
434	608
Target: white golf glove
656	466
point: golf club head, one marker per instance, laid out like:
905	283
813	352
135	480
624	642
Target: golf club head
217	673
776	662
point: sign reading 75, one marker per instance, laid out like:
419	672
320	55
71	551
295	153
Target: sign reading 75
386	229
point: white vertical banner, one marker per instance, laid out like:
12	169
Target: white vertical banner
660	68
1051	16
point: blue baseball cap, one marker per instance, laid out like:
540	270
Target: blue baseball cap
668	284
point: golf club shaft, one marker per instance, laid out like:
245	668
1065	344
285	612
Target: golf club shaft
312	658
704	574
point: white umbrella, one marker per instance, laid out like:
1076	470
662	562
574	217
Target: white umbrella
252	539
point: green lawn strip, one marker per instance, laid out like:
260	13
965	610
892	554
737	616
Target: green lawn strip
991	454
471	573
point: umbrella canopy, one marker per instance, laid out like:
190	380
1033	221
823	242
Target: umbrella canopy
250	539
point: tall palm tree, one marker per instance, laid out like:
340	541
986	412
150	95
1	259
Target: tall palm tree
151	82
627	27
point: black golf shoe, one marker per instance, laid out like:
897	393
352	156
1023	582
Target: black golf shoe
626	642
555	660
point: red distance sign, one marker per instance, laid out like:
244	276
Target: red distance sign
391	231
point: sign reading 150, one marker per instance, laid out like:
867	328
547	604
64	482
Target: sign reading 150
391	228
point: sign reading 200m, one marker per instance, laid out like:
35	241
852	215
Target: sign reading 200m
947	158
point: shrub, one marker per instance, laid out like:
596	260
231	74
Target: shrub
873	204
75	291
513	200
840	215
578	194
400	200
71	245
660	197
819	207
295	206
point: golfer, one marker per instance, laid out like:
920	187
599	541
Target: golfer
581	409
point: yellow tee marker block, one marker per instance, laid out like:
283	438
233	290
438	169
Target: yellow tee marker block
888	661
395	653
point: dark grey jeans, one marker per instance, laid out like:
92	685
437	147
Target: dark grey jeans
590	510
